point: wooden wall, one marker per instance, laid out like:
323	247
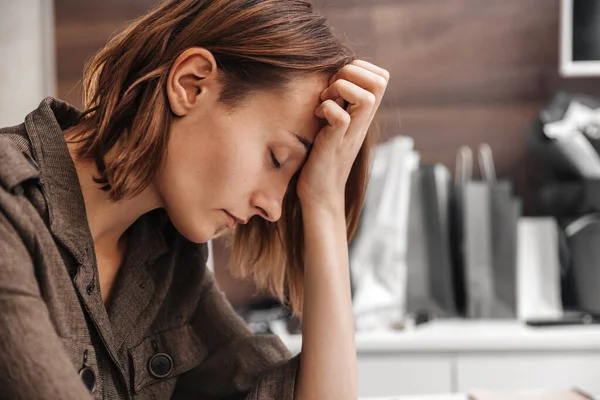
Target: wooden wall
463	71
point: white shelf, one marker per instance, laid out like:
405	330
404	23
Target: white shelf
421	397
455	356
472	336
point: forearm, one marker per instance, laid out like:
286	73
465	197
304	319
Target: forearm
328	365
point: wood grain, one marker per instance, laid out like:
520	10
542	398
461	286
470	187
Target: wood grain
464	72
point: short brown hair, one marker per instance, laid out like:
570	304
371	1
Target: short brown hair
259	45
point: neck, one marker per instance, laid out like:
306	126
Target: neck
108	220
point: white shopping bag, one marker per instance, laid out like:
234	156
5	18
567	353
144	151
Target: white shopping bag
378	254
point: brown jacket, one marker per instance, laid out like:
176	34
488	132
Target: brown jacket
168	331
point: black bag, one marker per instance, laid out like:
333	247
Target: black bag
574	201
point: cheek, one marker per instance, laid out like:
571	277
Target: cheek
212	173
196	160
239	174
205	171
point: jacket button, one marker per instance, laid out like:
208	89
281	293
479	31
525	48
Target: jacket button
160	365
89	378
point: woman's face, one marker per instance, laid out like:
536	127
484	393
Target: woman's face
222	163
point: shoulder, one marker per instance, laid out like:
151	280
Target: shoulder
16	233
17	171
16	162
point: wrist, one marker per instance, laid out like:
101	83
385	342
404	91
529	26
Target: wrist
323	218
324	208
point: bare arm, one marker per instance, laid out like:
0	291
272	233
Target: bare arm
328	363
328	366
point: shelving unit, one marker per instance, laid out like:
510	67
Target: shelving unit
456	356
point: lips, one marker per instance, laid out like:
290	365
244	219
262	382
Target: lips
230	220
233	219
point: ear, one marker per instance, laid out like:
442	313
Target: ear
192	75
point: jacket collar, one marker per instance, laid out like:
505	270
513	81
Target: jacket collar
58	177
17	167
62	191
138	283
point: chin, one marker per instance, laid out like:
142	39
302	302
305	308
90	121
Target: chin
195	235
196	232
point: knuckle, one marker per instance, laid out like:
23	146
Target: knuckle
341	118
369	98
382	82
352	67
385	74
342	82
344	118
329	104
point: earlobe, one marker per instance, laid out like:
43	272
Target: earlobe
191	76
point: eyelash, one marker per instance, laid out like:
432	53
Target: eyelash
276	162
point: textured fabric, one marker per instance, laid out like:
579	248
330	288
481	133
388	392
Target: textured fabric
164	304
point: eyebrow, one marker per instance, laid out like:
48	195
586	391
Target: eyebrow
305	142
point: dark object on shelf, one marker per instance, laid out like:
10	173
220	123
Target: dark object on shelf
563	159
572	193
583	269
567	319
567	199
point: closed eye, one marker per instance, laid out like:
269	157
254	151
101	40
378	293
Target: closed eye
276	162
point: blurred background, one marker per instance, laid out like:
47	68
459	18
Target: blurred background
487	275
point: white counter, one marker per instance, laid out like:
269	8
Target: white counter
458	356
421	397
473	336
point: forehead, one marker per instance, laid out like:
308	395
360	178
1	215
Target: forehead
293	108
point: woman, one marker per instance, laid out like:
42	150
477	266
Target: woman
202	117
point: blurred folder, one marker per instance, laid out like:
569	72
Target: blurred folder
505	213
430	281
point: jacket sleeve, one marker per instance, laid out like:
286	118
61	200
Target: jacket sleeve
33	362
239	365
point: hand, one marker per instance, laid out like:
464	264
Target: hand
323	178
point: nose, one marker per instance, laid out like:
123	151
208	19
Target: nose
268	201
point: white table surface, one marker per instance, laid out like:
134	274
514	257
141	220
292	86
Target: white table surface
421	397
465	335
431	397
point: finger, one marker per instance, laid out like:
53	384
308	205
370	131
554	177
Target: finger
340	101
364	78
335	115
361	100
340	120
373	68
367	80
337	121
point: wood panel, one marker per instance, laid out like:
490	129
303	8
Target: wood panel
464	72
445	58
456	51
461	51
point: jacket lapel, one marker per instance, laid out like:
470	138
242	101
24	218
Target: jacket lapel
142	283
67	218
